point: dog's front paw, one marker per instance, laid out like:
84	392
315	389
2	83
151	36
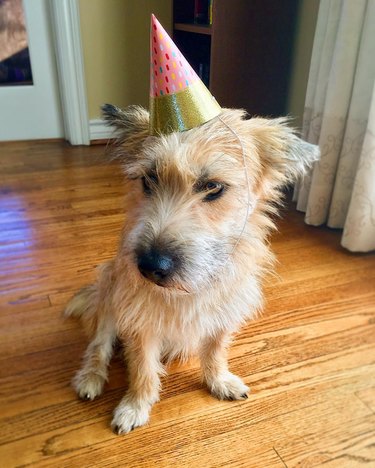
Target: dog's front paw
130	414
88	385
228	387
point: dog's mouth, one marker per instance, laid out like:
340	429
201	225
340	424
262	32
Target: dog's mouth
166	286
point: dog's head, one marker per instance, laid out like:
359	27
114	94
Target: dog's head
201	197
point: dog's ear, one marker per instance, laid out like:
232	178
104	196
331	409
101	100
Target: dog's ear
131	125
283	155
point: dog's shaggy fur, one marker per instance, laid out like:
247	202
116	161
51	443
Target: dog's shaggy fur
200	201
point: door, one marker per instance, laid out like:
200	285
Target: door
29	100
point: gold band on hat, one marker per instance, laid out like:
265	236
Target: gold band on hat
183	110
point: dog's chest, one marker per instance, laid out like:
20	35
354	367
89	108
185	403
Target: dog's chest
186	327
183	323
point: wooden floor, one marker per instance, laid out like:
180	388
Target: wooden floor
310	359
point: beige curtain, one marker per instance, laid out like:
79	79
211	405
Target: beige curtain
340	117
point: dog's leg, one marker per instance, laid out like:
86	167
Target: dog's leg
222	384
142	356
89	380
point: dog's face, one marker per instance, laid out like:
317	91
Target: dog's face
195	193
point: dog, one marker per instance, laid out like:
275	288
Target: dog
193	251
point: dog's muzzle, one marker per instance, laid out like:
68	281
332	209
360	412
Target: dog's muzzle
156	266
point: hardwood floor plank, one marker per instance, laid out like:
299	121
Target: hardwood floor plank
333	444
367	396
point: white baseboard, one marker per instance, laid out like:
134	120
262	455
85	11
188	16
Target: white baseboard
99	130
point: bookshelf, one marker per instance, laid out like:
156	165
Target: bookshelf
193	28
245	55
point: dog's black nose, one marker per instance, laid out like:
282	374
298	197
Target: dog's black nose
155	265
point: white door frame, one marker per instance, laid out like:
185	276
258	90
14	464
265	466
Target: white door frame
70	66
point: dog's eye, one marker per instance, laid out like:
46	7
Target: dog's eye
148	183
214	189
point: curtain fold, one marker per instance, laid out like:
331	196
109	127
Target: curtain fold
340	117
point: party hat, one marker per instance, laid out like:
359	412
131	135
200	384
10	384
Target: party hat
178	98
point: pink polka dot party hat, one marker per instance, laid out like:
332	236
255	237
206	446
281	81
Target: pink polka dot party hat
179	100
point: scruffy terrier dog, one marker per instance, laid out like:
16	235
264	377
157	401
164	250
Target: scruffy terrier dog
192	254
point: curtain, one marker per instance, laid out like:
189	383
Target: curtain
340	117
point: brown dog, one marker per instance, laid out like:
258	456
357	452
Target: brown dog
193	251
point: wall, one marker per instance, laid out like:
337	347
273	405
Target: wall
301	59
115	40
